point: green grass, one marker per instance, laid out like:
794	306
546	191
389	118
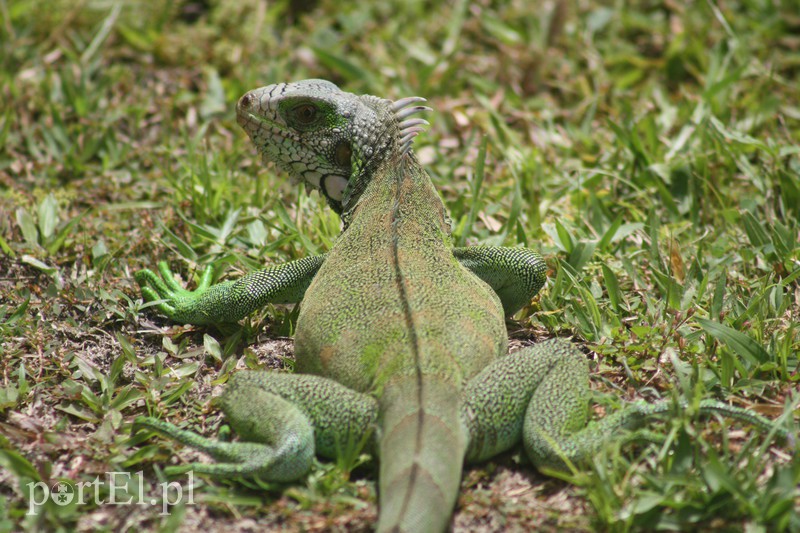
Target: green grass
648	149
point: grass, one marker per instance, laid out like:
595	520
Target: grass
648	149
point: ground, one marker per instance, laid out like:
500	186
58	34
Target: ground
648	150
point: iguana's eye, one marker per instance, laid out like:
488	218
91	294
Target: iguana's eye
342	154
305	113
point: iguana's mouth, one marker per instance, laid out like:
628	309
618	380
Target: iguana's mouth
250	121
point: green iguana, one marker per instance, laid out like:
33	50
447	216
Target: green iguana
400	335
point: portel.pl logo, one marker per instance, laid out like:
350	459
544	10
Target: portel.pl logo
115	488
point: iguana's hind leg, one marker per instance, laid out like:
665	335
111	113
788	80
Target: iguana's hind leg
515	274
341	417
282	420
277	440
540	395
551	376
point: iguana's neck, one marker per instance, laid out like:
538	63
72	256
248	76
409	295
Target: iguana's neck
401	190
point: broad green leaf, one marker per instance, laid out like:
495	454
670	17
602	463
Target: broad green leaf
257	233
48	216
755	230
212	347
4	246
612	287
581	254
61	235
44	267
28	227
738	342
609	234
564	237
125	397
79	412
17	464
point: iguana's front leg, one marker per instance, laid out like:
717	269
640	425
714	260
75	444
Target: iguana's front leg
540	395
281	420
228	301
515	274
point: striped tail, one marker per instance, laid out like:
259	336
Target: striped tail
422	448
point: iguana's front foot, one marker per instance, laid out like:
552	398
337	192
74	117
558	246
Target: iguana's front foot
281	421
177	303
228	301
540	395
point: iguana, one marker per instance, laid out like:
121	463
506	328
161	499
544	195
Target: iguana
400	335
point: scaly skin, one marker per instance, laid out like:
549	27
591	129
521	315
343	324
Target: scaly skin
399	335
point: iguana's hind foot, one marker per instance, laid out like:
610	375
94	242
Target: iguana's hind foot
540	395
545	385
277	440
281	420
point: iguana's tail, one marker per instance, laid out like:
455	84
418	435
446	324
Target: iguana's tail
422	447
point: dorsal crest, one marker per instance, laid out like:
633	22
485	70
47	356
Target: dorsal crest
409	127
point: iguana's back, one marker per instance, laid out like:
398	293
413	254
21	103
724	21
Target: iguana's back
392	313
391	300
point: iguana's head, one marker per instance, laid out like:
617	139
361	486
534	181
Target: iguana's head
326	137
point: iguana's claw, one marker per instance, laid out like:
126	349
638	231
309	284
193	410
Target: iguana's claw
169	296
155	290
168	277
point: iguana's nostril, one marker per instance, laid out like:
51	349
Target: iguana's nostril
245	100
